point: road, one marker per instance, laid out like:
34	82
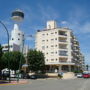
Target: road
51	84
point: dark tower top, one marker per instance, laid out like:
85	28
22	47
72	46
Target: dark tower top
17	15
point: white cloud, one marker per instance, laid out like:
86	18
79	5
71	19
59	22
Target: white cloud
64	22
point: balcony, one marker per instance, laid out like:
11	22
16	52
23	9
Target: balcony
60	63
63	53
66	62
62	34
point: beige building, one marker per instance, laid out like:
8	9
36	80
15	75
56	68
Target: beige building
60	47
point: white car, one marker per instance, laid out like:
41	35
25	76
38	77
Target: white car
79	75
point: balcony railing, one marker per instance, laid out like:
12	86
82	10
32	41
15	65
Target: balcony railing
62	40
62	48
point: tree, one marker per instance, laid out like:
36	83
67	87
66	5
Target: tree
36	61
87	67
1	62
14	60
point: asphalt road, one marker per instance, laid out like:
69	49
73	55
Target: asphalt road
51	84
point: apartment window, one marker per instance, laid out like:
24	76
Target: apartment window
52	59
56	59
52	33
52	52
43	40
43	34
47	40
47	33
47	53
47	47
47	59
18	33
55	38
18	38
55	45
12	38
43	47
52	39
52	46
55	32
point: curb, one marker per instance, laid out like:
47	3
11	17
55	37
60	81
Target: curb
15	83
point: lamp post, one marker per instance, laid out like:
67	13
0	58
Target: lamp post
8	46
20	61
18	16
21	56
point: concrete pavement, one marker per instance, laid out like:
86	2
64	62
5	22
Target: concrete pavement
51	84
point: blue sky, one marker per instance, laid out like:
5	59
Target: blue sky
74	14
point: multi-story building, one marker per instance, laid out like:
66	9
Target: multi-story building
16	42
60	47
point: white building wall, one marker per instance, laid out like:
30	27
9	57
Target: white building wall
48	42
17	36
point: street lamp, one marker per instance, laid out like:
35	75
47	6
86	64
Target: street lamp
8	46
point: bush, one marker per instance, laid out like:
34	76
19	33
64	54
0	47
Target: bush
60	76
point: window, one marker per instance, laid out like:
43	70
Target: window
43	47
12	38
52	39
52	46
47	33
43	40
55	32
55	45
52	52
18	33
18	39
47	47
52	59
55	38
56	52
51	33
43	34
47	40
47	59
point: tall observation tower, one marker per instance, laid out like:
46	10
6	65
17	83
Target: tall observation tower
17	36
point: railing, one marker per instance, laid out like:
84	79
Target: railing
62	40
62	48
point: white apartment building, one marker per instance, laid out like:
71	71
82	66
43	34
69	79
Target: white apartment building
60	47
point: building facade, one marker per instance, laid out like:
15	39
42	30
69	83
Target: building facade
16	42
60	47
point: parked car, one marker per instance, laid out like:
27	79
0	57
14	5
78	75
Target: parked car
79	75
33	77
86	75
25	76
